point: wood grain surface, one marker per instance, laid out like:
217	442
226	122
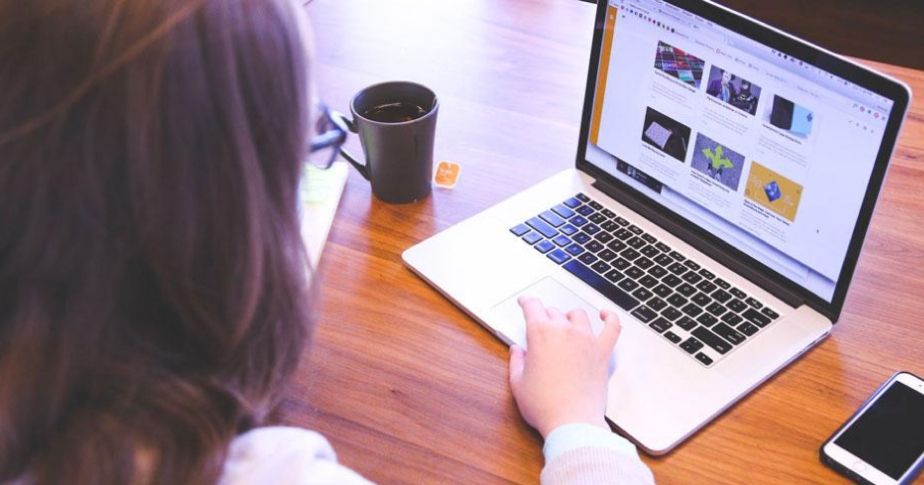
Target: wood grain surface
410	390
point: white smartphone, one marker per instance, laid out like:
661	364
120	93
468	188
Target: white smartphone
883	442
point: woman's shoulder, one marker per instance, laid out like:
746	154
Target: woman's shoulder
285	455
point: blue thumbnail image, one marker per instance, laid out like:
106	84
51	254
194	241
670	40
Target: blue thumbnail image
773	191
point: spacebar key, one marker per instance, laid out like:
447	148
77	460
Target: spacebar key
599	283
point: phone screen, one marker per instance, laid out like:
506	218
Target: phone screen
889	435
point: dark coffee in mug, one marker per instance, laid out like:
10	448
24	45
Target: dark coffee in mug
398	112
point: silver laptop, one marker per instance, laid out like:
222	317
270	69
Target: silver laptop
725	178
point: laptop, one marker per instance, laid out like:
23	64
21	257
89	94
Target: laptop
725	178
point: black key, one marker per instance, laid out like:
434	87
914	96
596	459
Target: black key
756	318
664	248
722	283
660	325
636	242
677	268
736	305
657	271
728	333
597	218
663	260
643	263
561	240
706	274
692	277
649	238
712	340
648	281
692	265
686	290
732	318
738	293
606	255
673	337
604	237
656	304
706	286
543	228
748	328
671	313
596	205
552	218
583	198
692	310
600	267
628	284
579	221
754	303
519	229
635	229
704	358
649	251
671	280
642	294
568	229
608	213
572	202
616	245
701	299
623	234
614	276
677	256
721	296
591	229
599	283
609	226
630	254
691	345
621	264
544	246
677	300
716	309
621	221
559	256
770	313
634	272
593	246
574	249
581	237
644	314
663	291
563	211
532	237
707	320
585	210
588	259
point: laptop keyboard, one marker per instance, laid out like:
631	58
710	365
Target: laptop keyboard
695	311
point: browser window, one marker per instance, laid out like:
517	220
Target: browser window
767	152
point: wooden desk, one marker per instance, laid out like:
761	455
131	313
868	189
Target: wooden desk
409	389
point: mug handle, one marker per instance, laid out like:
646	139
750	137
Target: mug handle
363	169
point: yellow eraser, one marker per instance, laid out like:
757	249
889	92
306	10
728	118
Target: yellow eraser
447	174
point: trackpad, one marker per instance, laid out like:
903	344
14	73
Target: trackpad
552	294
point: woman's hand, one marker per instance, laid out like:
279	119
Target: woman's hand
562	377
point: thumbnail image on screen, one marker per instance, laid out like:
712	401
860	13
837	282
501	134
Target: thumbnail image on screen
773	191
666	134
717	161
679	64
734	90
789	116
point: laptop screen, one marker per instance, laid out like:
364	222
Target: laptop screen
768	152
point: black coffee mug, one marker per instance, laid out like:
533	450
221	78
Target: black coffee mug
396	123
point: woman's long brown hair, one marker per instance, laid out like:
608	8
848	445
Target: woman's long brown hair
152	289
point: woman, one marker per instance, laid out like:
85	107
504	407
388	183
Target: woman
151	268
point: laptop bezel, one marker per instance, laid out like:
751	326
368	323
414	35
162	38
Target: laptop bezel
737	260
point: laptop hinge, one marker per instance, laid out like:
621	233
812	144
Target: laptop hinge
623	196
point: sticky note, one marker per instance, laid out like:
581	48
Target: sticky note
447	174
